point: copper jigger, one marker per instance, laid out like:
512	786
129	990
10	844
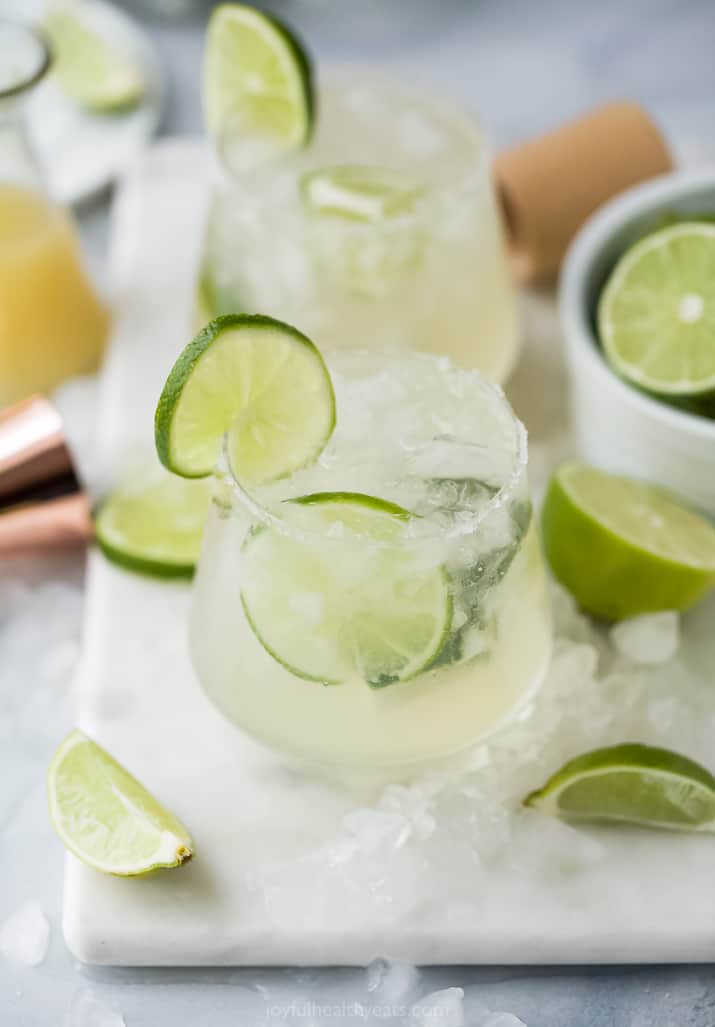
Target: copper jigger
42	505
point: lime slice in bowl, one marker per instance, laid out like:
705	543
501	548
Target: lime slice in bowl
90	70
154	525
623	547
106	817
656	315
257	83
258	379
632	784
353	604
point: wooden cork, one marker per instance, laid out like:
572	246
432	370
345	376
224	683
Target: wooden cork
550	185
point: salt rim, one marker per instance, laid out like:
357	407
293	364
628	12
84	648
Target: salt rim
37	39
244	499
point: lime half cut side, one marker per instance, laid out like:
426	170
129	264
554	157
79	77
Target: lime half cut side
155	526
257	84
656	316
360	193
106	817
352	602
633	784
624	547
90	70
258	379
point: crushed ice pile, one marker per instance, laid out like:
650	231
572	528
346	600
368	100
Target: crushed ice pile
458	821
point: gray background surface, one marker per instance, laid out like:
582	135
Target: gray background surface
524	65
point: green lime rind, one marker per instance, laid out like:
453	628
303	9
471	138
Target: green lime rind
633	784
222	92
211	384
384	629
656	315
154	529
624	548
107	818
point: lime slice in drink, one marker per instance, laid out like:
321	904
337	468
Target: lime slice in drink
106	818
633	784
155	526
360	193
91	71
622	547
351	602
257	83
656	316
363	226
258	379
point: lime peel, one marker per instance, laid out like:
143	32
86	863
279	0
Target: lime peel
634	784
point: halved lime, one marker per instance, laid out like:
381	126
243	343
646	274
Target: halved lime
360	192
93	72
633	784
656	315
258	379
106	818
623	547
353	602
155	525
257	81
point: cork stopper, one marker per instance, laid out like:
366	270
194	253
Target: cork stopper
550	185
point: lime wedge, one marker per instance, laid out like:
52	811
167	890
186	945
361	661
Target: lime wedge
257	83
106	818
656	316
622	547
354	604
155	526
360	193
625	547
89	69
633	784
258	379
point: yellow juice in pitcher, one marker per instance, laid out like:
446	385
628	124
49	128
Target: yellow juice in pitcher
52	325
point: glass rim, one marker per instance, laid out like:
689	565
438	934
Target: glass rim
243	498
44	57
442	105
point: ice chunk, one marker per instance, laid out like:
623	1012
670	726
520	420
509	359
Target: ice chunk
86	1010
439	1009
391	981
25	936
502	1020
650	639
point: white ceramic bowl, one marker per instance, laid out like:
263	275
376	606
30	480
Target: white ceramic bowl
617	427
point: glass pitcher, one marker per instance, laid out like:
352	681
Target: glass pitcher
52	324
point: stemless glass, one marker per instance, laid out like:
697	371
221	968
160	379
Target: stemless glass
331	625
431	275
52	325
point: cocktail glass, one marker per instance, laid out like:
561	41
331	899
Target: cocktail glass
385	606
426	270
